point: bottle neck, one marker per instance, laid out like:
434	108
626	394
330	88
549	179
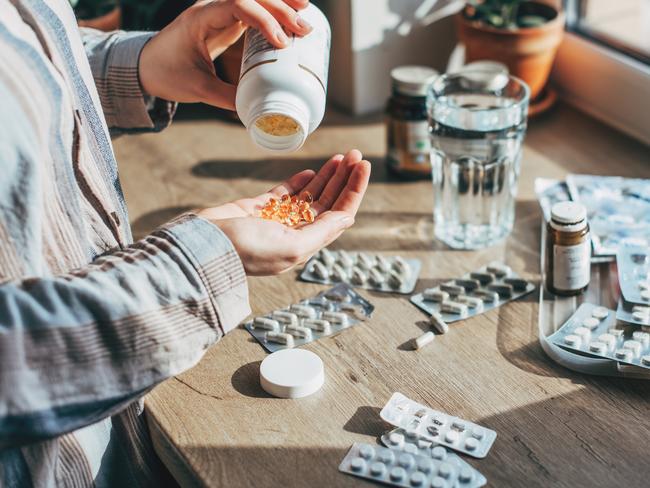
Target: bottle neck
570	228
282	104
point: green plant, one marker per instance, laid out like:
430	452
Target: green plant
502	14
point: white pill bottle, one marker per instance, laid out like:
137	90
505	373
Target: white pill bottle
281	92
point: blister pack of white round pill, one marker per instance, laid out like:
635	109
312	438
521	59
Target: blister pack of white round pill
391	274
401	440
592	330
383	465
439	427
633	263
474	293
324	315
632	313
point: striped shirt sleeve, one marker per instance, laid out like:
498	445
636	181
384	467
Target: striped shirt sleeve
77	347
114	59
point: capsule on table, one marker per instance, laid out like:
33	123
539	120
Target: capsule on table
434	295
265	323
319	325
285	317
454	307
299	331
438	323
280	338
303	311
482	278
452	289
518	284
339	318
468	285
487	296
504	290
424	339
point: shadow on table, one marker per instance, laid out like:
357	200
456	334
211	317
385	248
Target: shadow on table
151	220
246	381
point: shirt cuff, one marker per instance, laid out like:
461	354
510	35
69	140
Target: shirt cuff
132	109
217	264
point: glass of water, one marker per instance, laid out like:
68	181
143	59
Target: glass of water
477	121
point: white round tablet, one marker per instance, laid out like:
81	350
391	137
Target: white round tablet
292	373
600	313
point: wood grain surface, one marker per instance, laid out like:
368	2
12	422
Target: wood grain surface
215	426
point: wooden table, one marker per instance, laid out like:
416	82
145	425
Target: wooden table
215	426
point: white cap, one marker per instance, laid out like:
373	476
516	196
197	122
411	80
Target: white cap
568	216
292	373
413	80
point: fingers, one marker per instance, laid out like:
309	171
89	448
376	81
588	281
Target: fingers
294	184
325	230
256	16
350	198
217	92
338	181
287	16
316	186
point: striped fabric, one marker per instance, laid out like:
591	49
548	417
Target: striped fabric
89	320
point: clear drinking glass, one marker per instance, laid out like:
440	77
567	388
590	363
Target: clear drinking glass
477	121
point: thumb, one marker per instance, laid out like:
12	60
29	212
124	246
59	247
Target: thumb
325	229
216	92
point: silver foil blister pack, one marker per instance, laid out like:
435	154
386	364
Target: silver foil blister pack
474	293
401	440
390	274
383	465
439	427
633	264
633	314
592	330
328	313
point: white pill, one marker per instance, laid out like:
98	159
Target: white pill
382	263
397	473
335	317
445	470
472	302
358	277
279	338
634	346
386	456
438	482
266	324
598	347
466	475
396	439
499	269
645	360
452	436
326	257
468	284
364	261
401	266
304	311
357	464
438	323
641	316
418	479
345	260
377	469
424	339
645	295
618	333
319	270
573	340
644	285
396	280
423	444
338	273
600	313
483	278
642	337
518	284
609	340
376	277
439	453
584	333
454	307
471	444
590	322
298	331
366	451
434	295
624	354
477	433
285	317
405	460
319	325
425	465
503	289
487	296
452	288
641	309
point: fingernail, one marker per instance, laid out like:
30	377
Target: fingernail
282	37
303	24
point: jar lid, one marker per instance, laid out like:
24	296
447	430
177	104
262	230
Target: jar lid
292	373
413	80
568	213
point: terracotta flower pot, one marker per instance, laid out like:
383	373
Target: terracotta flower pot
528	52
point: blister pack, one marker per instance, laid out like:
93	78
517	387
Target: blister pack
633	314
401	440
394	468
439	427
477	292
592	330
633	264
326	314
392	274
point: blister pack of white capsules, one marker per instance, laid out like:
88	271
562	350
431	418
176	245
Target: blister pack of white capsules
383	465
592	330
477	292
439	427
633	264
324	315
392	274
401	440
633	314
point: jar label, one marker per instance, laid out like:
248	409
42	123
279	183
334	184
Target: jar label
409	145
572	266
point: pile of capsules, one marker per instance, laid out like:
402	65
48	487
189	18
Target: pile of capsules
418	452
326	314
290	210
633	264
392	274
592	330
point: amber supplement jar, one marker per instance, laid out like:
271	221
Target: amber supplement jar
407	128
568	250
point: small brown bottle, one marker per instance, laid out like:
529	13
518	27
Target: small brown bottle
568	250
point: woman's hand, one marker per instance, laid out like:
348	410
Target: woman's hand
177	63
267	247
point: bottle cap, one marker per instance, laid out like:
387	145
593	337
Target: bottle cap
413	80
568	213
292	373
